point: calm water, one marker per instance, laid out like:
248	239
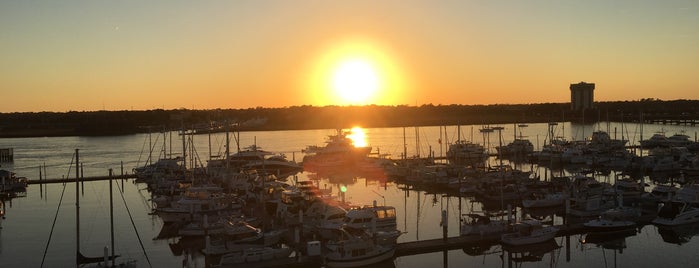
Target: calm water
26	230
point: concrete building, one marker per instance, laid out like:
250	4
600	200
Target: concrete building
582	96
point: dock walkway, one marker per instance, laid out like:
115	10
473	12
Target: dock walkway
94	178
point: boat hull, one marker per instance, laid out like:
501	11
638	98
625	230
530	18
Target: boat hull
515	240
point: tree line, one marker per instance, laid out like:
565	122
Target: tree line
101	123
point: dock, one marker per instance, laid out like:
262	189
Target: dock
459	242
82	179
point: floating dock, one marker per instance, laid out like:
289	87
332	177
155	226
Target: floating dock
82	179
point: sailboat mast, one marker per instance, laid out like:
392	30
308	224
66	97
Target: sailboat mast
184	146
405	146
111	216
77	208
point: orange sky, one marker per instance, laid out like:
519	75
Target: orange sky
121	55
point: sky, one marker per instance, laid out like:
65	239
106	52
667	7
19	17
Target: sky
140	55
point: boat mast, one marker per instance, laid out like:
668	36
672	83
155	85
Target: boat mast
184	146
111	216
405	146
77	208
228	144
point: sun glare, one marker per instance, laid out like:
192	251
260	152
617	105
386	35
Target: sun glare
355	81
356	71
358	137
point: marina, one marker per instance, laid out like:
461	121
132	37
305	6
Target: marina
426	205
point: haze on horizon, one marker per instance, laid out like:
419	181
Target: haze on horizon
139	55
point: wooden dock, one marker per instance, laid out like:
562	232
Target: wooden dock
94	178
460	242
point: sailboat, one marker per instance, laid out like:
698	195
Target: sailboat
98	261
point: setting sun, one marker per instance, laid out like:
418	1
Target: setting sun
357	71
355	81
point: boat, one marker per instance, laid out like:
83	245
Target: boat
678	140
237	235
529	232
164	166
688	193
537	200
518	147
602	142
661	193
254	157
676	213
476	224
362	217
627	187
657	140
198	201
339	152
356	248
464	152
9	182
373	219
614	219
98	261
692	169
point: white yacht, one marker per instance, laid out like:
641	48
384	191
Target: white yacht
476	224
529	232
356	248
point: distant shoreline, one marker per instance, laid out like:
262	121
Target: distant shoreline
111	123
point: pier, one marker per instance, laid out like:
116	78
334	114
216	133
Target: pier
459	242
82	179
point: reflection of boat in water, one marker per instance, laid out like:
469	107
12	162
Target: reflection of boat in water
479	249
609	240
255	256
532	252
676	213
678	234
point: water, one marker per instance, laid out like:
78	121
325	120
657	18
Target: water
27	227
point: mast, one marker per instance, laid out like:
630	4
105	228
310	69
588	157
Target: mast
405	146
77	209
228	144
111	216
184	146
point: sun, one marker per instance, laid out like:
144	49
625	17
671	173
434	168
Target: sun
355	70
355	81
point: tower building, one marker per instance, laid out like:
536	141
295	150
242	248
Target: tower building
582	96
